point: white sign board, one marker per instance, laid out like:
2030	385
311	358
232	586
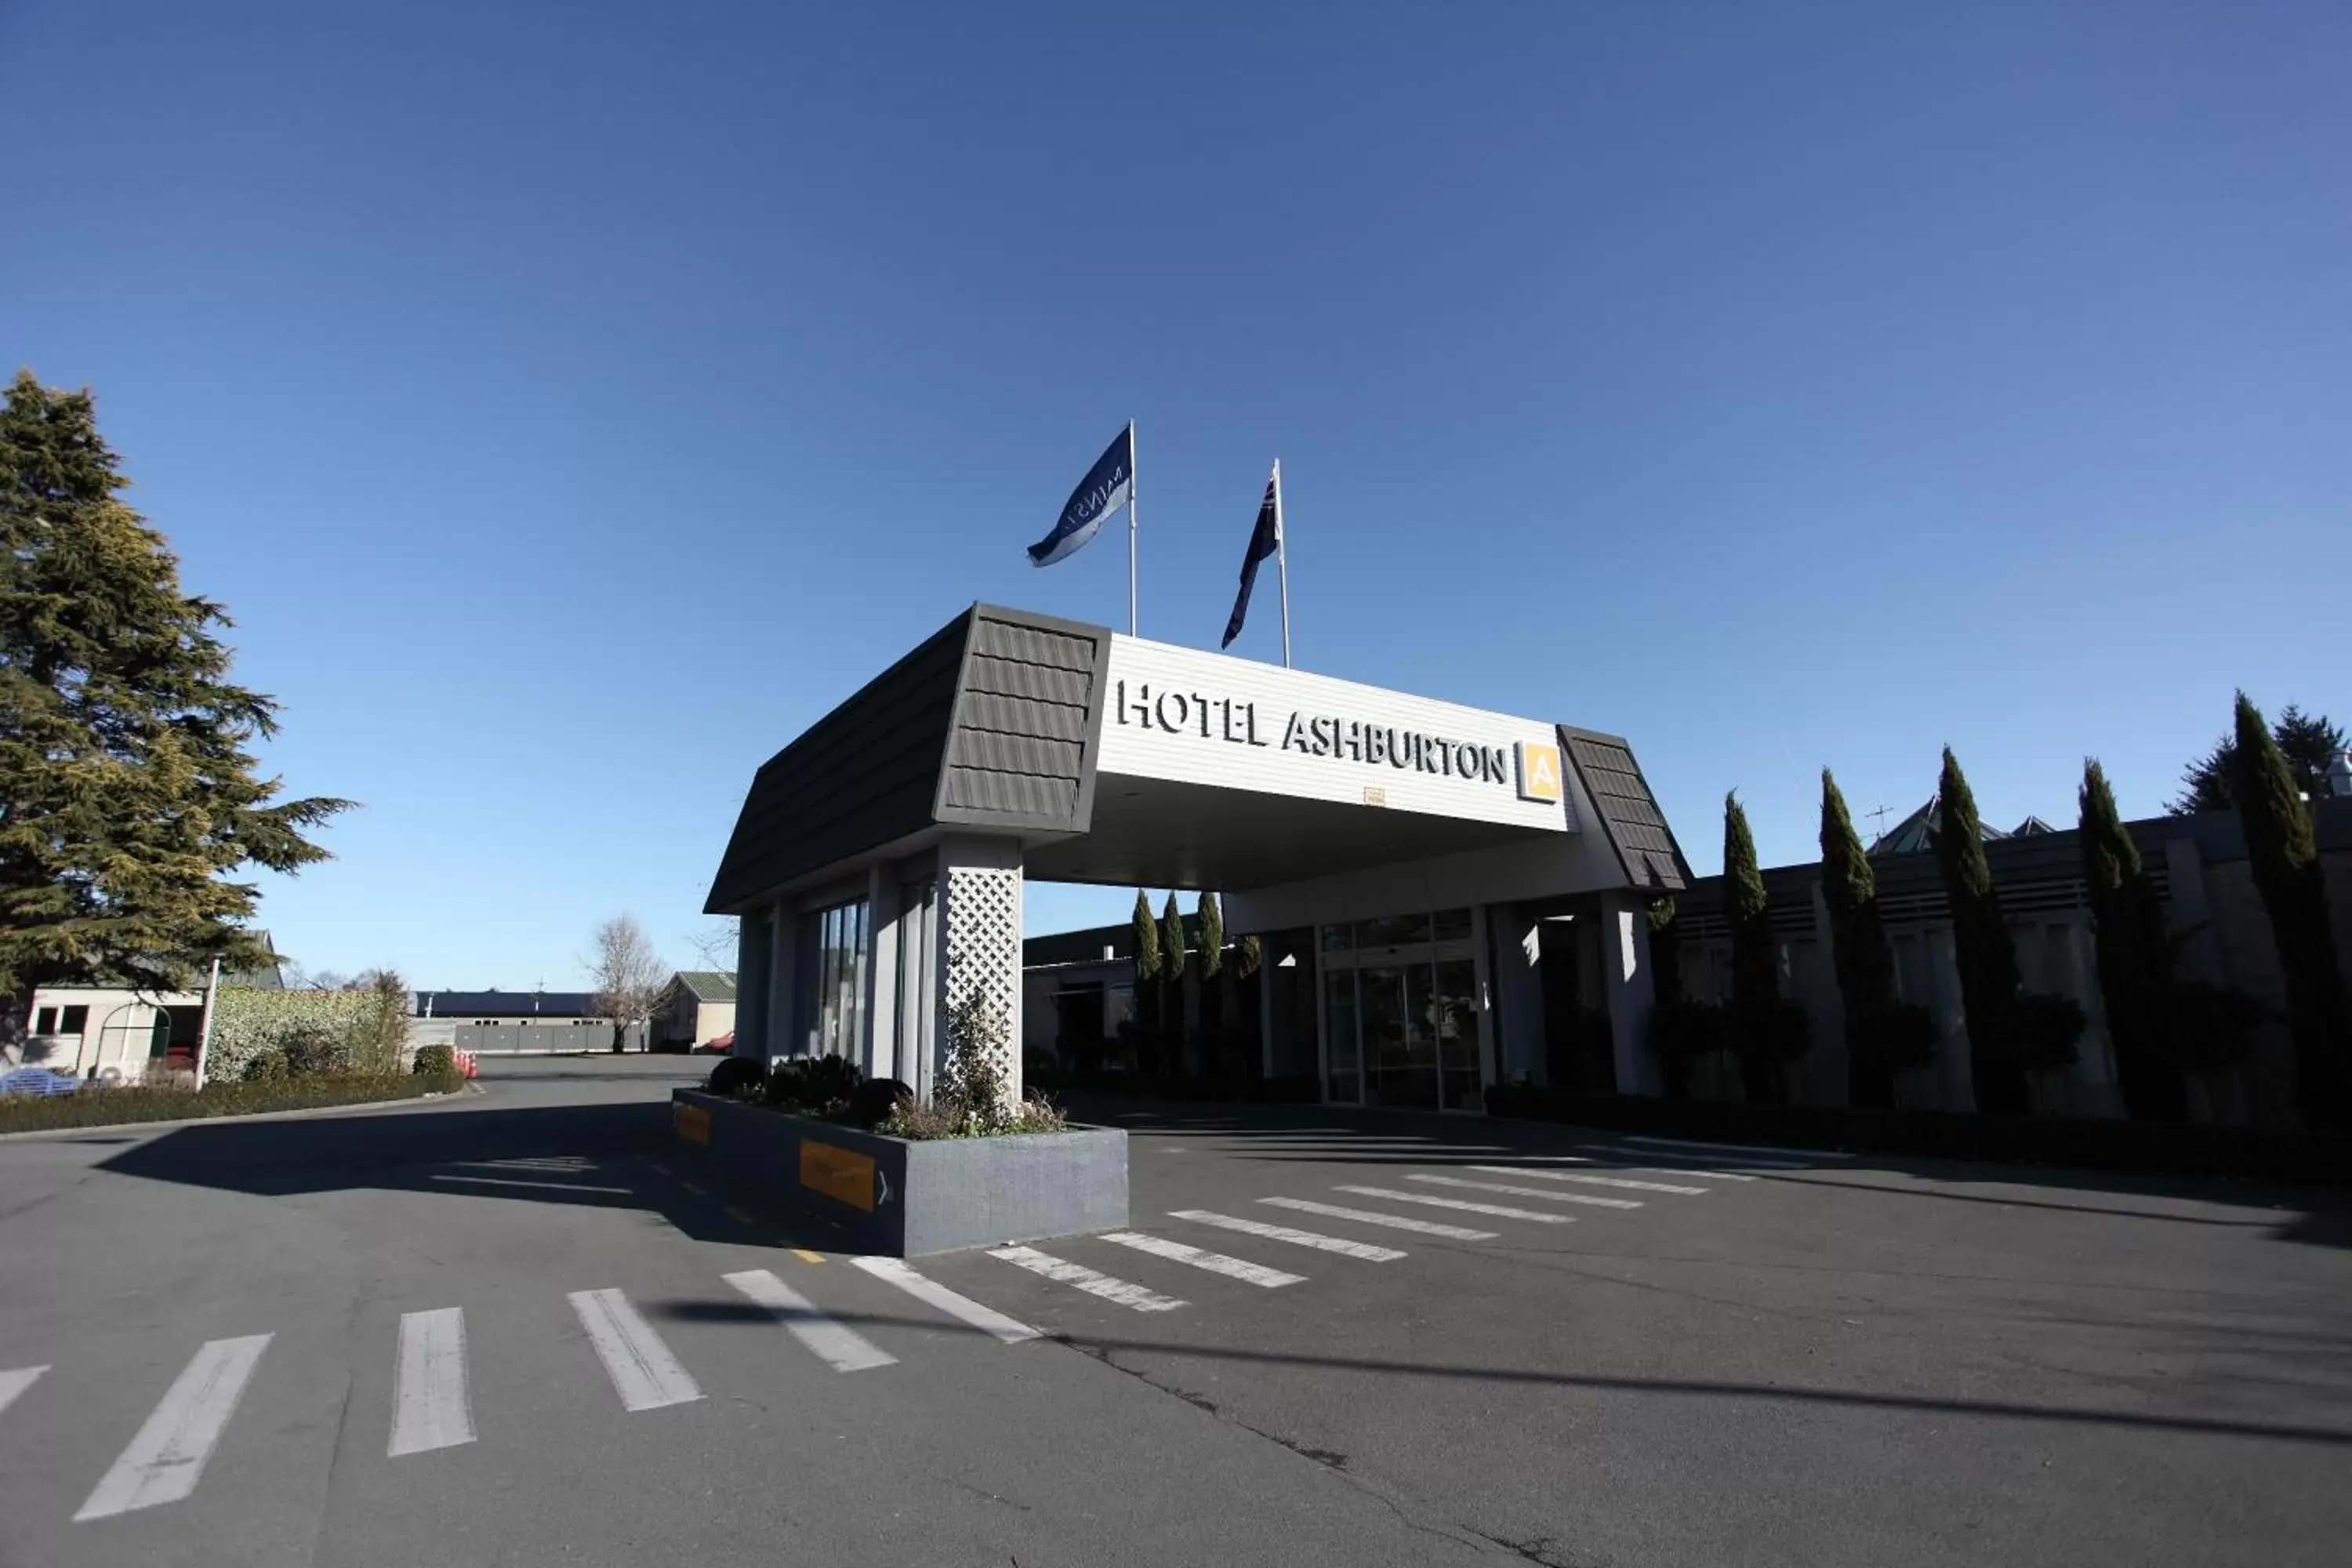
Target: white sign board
1190	717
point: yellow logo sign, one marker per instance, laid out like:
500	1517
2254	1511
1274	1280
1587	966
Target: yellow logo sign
843	1175
1539	772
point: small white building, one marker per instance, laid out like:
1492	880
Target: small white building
697	1007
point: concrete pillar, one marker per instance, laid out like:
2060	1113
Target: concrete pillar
880	1048
979	937
752	940
1518	995
1626	977
783	980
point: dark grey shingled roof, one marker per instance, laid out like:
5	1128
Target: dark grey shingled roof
1629	812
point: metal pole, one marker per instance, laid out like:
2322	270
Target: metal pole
1282	560
1132	485
204	1029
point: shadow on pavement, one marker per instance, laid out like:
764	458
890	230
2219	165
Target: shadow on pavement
620	1155
1311	1134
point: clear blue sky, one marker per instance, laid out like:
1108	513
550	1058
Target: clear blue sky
572	401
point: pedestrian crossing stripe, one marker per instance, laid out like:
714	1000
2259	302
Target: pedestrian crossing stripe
1548	1195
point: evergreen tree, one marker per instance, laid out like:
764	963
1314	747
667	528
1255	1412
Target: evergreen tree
2284	858
2134	957
2308	741
1755	966
1859	949
1211	916
1985	953
1147	965
127	793
1173	962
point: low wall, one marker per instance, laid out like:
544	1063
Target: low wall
904	1199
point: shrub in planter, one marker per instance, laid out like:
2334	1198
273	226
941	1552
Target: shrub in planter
734	1075
877	1099
817	1085
437	1061
266	1067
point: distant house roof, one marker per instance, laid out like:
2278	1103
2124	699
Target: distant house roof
506	1003
708	984
1915	835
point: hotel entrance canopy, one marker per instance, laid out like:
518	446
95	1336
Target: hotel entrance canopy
1115	760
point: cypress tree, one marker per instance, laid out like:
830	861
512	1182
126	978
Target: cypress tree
1982	948
2134	957
2284	857
1755	967
127	795
1212	935
1173	962
1859	949
1147	965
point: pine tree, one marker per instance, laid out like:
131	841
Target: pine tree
1859	949
2135	956
1985	953
1755	966
2284	857
2308	741
127	795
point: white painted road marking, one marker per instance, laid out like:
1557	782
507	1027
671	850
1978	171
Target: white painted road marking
1553	1194
644	1374
166	1459
1436	1203
1580	1176
988	1319
1363	1250
1627	1156
1392	1221
12	1383
1716	1150
843	1350
1215	1262
429	1404
1086	1280
512	1182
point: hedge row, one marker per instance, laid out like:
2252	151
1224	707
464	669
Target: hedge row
115	1107
2086	1142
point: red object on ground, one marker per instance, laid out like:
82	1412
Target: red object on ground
721	1044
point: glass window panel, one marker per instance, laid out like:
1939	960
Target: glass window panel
1450	925
1454	1018
1344	1087
1392	930
1339	938
1399	1053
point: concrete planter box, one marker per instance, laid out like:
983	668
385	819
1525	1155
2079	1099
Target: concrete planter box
903	1199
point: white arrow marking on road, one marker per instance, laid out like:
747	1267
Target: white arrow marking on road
166	1459
1392	1221
1395	1196
1215	1262
429	1404
842	1349
1346	1249
643	1373
988	1319
1551	1194
12	1383
1591	1181
1085	1278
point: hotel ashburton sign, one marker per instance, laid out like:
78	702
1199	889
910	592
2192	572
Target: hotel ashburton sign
1179	713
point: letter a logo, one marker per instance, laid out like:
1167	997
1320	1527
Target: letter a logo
1539	772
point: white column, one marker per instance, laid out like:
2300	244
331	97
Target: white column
979	937
1518	995
1626	978
879	1048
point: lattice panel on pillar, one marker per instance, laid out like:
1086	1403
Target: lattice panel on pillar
983	943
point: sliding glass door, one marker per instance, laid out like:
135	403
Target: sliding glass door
1403	1023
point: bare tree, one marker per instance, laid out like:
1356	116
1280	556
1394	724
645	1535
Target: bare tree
628	974
716	944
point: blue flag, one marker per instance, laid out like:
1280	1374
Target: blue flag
1264	540
1104	490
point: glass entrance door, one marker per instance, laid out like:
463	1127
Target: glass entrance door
1401	1014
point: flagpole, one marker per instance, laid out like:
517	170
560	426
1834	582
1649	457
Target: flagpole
1132	485
1282	560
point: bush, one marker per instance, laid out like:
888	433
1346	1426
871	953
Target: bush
314	1053
734	1075
876	1099
266	1067
440	1061
2213	1026
1901	1035
973	1098
1680	1034
820	1086
2049	1029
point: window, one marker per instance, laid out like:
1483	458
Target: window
45	1022
833	951
73	1020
